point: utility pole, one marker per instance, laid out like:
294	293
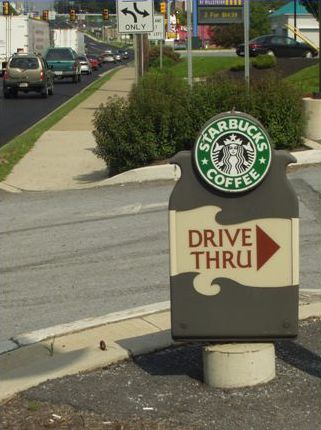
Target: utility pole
295	15
246	43
189	44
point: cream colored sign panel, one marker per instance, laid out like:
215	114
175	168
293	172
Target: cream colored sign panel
258	253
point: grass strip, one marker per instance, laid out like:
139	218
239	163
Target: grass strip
306	80
18	147
204	66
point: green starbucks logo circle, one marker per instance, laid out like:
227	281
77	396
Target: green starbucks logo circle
233	152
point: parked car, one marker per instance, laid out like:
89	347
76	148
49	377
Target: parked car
27	72
280	46
94	63
180	45
64	63
85	66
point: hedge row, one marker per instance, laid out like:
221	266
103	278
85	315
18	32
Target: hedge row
163	116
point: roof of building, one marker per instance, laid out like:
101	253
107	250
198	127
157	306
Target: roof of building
288	9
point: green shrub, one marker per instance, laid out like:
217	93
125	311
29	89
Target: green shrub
238	66
162	99
259	62
170	57
264	62
124	140
163	116
274	102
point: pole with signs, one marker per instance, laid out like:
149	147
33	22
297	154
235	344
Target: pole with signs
319	95
189	44
137	18
246	43
159	35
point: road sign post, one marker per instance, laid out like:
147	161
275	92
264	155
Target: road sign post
159	35
136	18
233	237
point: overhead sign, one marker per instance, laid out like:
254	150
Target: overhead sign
220	2
159	28
234	236
135	17
233	153
220	15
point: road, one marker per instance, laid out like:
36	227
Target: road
70	255
17	115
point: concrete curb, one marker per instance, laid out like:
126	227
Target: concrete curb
32	358
171	172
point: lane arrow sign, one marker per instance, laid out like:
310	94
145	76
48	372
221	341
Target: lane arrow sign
126	12
144	13
266	247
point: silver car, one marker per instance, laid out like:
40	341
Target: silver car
108	58
85	66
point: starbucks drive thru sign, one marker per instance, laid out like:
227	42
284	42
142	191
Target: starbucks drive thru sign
233	236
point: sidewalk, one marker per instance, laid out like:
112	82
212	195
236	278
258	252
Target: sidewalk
67	349
63	159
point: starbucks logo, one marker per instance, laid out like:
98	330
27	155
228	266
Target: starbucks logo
233	152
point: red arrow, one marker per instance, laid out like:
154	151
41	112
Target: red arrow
266	247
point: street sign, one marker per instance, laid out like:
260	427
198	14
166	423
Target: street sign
220	15
220	3
135	17
159	28
233	236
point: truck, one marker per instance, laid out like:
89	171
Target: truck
22	34
69	38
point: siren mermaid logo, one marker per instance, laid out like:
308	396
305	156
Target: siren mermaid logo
233	153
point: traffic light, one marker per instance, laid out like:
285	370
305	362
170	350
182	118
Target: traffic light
5	8
45	15
105	14
163	7
72	15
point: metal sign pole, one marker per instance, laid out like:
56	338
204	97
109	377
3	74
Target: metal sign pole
189	45
246	42
319	49
136	58
169	16
161	54
142	53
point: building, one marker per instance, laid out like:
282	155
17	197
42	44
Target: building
305	22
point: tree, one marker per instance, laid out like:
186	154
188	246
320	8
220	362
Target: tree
94	6
312	6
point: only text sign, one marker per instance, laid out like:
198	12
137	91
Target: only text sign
135	17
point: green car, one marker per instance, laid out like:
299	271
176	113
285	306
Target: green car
64	63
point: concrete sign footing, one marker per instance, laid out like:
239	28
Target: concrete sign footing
312	108
238	365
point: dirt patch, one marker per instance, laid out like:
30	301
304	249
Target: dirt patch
284	67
